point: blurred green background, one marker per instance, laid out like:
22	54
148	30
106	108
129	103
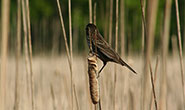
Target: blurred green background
47	36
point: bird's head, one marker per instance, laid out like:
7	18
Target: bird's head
90	29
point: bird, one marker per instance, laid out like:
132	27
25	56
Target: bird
102	49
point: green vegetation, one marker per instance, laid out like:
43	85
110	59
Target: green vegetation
45	20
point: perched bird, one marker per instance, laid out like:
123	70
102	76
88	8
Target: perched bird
102	49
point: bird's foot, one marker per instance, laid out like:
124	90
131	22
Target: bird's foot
98	75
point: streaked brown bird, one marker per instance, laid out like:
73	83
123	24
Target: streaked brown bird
102	49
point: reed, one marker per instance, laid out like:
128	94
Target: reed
26	47
30	53
18	52
116	49
76	98
90	11
155	78
149	34
95	13
180	51
165	39
153	86
122	26
4	50
143	6
110	21
71	49
67	49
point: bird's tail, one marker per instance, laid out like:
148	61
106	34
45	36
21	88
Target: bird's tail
125	64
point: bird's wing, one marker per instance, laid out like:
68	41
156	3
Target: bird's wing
106	49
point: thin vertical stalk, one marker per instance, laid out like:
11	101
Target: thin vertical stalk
122	26
116	49
90	11
143	3
30	53
155	77
149	33
165	38
25	44
180	50
71	50
76	99
153	86
106	23
110	22
18	51
144	31
4	50
66	46
95	13
63	29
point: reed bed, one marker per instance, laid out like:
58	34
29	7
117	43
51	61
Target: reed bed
44	82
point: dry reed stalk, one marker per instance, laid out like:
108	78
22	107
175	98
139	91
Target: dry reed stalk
149	33
25	45
90	11
30	53
93	81
106	21
165	38
180	51
95	13
143	6
18	51
64	32
53	97
4	50
110	22
67	48
153	86
71	49
155	77
122	26
144	31
116	49
76	98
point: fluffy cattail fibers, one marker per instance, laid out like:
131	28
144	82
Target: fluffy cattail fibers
93	81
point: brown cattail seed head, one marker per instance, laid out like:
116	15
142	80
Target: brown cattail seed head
93	81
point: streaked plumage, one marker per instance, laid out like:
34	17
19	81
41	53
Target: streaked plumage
102	48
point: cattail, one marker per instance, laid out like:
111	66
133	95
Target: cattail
93	81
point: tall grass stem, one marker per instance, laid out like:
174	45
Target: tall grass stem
180	50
